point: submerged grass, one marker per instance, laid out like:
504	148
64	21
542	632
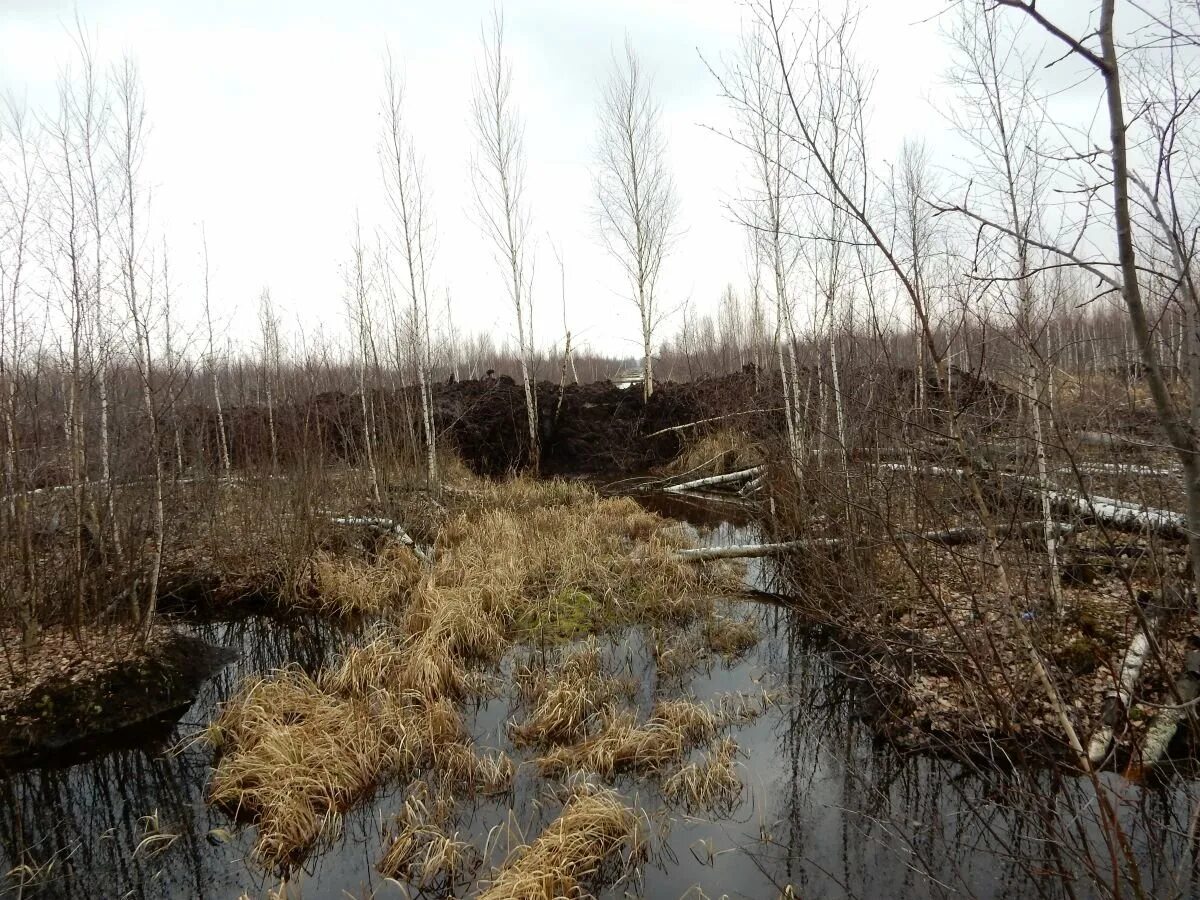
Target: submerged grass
569	698
593	829
729	637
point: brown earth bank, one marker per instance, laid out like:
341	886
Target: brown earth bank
78	687
596	429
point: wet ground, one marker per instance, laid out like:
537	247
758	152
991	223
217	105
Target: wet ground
827	808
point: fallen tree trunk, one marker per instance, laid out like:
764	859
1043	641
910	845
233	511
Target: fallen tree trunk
752	551
950	537
1112	441
1116	702
751	486
1162	729
389	525
712	480
1120	514
1119	469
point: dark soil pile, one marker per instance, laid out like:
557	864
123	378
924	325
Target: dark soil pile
586	429
596	429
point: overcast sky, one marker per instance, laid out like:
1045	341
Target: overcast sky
264	124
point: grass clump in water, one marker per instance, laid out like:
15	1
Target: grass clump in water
623	745
593	829
346	587
710	783
419	848
295	753
568	699
730	637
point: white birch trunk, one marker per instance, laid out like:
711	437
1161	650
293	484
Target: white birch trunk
1116	702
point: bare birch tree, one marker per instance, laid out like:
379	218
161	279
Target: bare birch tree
358	309
129	139
268	323
769	211
498	168
1001	116
412	237
635	194
19	185
211	364
1123	274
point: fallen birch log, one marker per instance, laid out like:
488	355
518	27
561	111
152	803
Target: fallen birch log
753	551
751	486
1118	469
948	538
389	525
1116	702
1112	441
712	480
1162	729
1121	514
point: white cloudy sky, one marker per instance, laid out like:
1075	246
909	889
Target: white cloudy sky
264	119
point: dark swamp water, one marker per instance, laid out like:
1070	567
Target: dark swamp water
827	809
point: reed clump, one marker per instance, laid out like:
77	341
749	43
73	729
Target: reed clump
709	783
729	637
623	745
420	848
295	752
569	698
595	827
348	588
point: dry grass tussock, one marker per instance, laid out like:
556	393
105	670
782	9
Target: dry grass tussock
546	573
346	587
295	753
623	745
421	850
569	698
709	783
730	637
593	829
717	452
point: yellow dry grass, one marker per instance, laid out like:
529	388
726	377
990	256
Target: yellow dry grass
677	653
594	827
295	753
709	783
568	698
715	453
419	848
347	587
730	637
623	745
